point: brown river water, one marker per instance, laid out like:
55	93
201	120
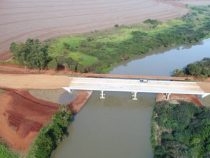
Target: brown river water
118	127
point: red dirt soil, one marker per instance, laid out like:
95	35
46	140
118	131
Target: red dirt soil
180	97
21	118
5	56
78	103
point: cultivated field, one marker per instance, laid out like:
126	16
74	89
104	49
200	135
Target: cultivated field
196	2
50	18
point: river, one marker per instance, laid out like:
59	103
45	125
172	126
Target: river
118	127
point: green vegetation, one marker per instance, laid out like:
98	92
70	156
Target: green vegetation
100	51
198	69
81	61
32	53
180	130
48	139
5	152
50	136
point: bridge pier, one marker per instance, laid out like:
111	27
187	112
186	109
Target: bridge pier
134	96
205	95
67	89
102	95
168	96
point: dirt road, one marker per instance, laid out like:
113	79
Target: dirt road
19	81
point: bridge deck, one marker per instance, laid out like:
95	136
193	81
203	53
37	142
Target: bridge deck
129	85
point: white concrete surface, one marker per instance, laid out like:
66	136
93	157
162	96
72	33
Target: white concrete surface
135	86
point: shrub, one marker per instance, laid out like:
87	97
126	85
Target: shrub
53	64
51	135
5	152
111	47
32	53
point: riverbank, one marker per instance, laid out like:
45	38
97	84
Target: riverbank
180	130
66	81
101	51
78	103
22	116
180	125
35	19
176	98
199	69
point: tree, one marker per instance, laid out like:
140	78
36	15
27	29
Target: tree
193	69
32	53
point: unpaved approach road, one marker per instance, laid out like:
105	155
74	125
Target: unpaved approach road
17	81
50	18
44	81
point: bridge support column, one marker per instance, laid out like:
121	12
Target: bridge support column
67	89
168	96
134	96
205	95
102	95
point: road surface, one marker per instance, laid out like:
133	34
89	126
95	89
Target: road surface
134	85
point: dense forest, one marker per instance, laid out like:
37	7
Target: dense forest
99	51
198	69
180	130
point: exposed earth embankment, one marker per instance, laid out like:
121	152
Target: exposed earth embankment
22	116
175	98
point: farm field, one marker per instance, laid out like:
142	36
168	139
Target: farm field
91	36
50	18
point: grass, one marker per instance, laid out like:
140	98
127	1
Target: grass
58	46
83	59
5	152
100	51
116	35
120	44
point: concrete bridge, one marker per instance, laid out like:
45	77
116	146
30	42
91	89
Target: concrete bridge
135	86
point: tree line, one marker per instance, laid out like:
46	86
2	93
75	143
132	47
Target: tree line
197	69
51	135
116	46
180	130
